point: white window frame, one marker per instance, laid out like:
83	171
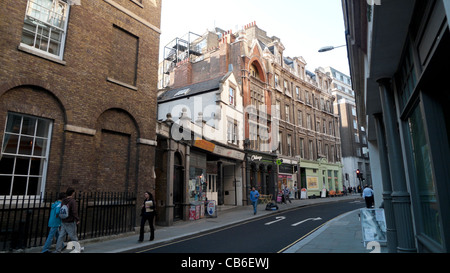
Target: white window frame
232	131
287	110
232	96
45	157
41	25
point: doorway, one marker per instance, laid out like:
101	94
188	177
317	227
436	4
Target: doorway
178	187
211	191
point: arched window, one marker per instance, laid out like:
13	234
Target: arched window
254	71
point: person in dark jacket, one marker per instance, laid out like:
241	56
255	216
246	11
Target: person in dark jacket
147	214
69	224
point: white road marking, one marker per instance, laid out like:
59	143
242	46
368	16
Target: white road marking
309	219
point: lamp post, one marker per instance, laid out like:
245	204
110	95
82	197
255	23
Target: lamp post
329	48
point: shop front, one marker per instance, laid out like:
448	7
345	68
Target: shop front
320	177
287	176
197	187
310	178
260	173
219	176
331	176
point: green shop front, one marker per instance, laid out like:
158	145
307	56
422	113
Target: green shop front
316	176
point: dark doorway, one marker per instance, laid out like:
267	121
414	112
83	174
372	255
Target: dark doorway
178	187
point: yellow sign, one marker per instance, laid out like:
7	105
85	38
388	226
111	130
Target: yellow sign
205	145
311	183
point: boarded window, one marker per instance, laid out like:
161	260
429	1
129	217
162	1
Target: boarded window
125	49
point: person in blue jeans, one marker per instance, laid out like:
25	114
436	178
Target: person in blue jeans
54	222
254	196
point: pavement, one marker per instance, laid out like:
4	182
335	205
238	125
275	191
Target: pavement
340	235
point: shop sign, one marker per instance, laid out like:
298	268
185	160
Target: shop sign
304	194
205	145
256	158
286	168
216	149
228	153
373	224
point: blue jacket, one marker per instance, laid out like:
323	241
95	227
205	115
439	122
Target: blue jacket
54	220
368	192
254	195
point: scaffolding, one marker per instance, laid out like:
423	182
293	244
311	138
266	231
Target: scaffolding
181	49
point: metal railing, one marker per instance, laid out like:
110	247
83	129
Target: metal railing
24	219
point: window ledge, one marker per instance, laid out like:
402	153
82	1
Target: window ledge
122	84
40	54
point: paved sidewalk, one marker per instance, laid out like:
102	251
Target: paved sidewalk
341	235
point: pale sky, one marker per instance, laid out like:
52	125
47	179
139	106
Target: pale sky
303	26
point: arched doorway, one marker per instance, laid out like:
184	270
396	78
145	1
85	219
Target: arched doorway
178	186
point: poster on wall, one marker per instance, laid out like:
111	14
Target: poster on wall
312	183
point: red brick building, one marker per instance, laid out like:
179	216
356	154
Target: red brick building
78	95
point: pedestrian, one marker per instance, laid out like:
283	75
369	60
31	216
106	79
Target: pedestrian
54	222
254	196
69	224
287	192
296	192
368	196
147	214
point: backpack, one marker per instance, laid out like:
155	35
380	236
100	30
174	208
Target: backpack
64	212
271	206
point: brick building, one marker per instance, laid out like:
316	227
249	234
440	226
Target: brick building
288	113
78	95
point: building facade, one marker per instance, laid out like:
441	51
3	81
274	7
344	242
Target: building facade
78	95
302	108
290	131
398	56
200	138
354	145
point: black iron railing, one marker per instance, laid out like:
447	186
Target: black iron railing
24	219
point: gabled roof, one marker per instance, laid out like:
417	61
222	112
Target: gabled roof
194	89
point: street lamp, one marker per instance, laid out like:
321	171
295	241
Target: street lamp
329	48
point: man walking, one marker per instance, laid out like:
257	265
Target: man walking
368	196
254	196
69	224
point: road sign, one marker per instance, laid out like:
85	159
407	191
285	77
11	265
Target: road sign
211	209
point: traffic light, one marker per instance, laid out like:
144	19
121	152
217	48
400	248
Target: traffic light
359	174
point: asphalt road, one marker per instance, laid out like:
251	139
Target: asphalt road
270	234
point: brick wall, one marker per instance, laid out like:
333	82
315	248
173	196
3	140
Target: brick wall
96	121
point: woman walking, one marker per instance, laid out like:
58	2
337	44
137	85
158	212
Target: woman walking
147	214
